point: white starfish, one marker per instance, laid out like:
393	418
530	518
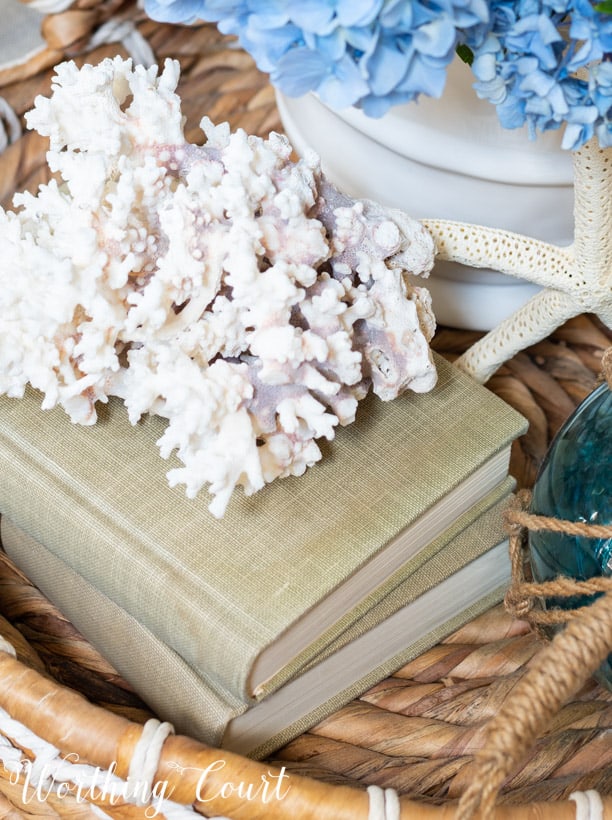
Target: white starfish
575	279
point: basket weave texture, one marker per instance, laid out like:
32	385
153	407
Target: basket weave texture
417	730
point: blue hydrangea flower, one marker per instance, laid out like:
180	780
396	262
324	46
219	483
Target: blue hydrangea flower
531	64
369	53
530	56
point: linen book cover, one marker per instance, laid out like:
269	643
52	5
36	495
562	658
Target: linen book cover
177	693
97	497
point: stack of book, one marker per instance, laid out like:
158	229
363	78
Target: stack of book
247	630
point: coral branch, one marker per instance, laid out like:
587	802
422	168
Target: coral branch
224	287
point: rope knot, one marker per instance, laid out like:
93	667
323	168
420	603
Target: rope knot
518	604
515	514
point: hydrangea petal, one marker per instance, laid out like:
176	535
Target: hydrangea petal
386	67
424	77
299	71
357	12
175	11
313	16
344	87
436	38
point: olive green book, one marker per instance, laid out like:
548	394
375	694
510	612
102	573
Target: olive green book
242	598
459	576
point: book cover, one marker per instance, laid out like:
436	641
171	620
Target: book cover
97	497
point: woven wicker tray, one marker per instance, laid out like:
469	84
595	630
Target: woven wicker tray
417	730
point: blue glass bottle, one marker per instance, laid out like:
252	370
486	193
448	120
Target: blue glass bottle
575	483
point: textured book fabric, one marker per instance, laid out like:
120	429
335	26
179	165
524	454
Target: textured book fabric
178	694
97	498
173	690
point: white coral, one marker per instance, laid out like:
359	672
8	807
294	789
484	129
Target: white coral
224	287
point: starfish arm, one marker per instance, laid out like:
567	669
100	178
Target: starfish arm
604	312
593	216
535	320
480	247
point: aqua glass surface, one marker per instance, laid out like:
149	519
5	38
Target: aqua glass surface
575	484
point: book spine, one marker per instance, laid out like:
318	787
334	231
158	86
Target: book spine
47	507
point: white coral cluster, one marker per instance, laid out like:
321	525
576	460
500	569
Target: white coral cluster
225	287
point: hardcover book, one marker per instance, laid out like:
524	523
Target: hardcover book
420	606
250	601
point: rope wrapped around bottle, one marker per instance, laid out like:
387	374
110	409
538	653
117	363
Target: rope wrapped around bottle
561	668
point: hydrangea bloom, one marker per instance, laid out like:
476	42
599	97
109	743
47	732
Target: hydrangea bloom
544	63
530	56
370	53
